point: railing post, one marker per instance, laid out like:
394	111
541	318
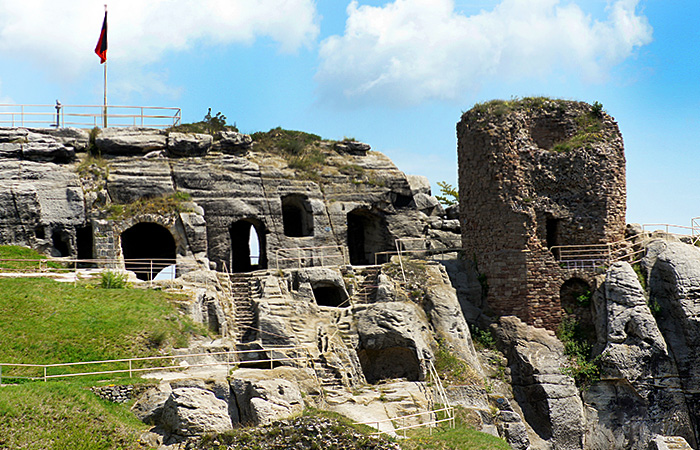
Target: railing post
129	368
0	374
45	374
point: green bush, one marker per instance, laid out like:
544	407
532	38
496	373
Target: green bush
113	280
582	368
483	339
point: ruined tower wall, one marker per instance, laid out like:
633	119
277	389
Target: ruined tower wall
535	175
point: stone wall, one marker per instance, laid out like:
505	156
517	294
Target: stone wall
536	174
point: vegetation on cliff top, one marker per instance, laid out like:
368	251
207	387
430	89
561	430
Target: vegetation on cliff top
162	205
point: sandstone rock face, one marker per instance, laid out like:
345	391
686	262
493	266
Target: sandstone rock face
674	284
353	147
234	143
394	340
193	411
130	141
40	146
262	401
446	315
549	399
189	145
640	393
669	443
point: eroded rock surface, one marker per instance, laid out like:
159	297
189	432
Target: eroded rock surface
549	399
639	394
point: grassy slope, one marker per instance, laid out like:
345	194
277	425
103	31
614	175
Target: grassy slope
63	415
43	321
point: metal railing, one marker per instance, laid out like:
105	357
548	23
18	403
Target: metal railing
133	365
148	268
88	116
300	257
693	231
597	255
447	409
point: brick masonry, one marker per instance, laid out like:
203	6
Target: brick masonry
521	193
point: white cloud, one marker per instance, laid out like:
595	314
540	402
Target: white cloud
409	51
61	35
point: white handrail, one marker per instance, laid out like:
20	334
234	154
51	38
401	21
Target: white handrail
60	116
270	351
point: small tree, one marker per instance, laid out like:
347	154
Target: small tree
450	195
214	123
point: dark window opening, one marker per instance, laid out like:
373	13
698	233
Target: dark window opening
402	201
247	249
213	318
297	216
83	238
389	363
148	248
552	232
367	235
329	295
59	240
39	232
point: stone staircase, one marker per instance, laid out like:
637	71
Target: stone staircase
367	291
242	293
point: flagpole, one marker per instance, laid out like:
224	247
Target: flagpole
104	109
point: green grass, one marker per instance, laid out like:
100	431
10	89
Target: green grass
444	437
45	322
453	369
17	252
162	205
501	107
61	415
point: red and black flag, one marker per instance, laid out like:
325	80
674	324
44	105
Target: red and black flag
101	48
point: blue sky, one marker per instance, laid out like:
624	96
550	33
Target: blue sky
395	74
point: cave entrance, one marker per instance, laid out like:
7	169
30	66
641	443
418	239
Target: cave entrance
148	248
84	242
367	234
247	249
389	363
297	216
401	200
328	294
60	242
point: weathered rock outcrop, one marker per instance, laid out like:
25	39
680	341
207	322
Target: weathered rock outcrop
674	285
130	141
639	394
549	399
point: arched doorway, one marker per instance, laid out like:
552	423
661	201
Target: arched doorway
367	235
576	296
247	249
297	216
148	248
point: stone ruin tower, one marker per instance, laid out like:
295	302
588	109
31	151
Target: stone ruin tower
534	175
